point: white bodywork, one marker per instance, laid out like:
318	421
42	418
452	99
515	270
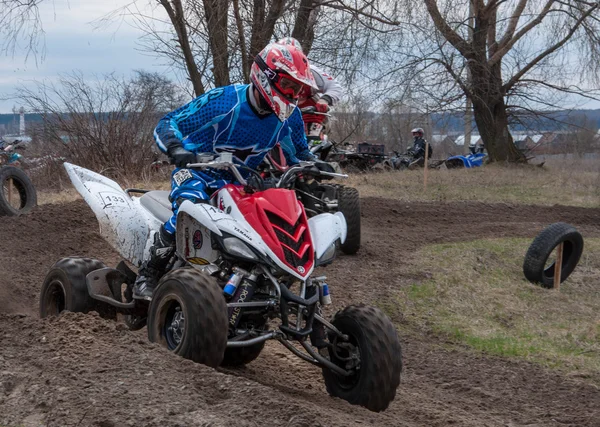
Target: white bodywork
128	227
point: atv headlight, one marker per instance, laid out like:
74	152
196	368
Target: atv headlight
234	246
327	256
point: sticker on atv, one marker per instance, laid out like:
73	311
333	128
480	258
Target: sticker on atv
182	176
113	199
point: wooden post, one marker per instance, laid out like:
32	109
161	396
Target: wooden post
425	169
558	266
9	191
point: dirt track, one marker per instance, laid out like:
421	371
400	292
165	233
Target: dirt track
83	370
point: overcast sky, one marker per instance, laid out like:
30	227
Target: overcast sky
73	43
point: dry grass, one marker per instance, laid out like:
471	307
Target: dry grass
478	296
576	184
156	181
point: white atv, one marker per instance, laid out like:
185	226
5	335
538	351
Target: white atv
241	260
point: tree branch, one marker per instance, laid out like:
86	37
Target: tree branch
507	43
452	36
514	79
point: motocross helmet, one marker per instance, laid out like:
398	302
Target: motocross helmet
290	41
418	132
279	73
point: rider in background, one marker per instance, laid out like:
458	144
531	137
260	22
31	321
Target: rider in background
325	95
419	144
244	120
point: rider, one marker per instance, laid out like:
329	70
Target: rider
419	144
327	93
245	120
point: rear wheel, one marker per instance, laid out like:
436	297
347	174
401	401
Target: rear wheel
373	355
188	315
17	193
64	287
349	205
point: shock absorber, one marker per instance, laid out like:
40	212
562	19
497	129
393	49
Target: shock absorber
243	293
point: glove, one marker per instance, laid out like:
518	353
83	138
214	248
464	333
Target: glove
181	157
322	106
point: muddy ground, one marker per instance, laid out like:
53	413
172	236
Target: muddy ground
81	370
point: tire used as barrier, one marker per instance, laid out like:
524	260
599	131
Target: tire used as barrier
534	266
25	197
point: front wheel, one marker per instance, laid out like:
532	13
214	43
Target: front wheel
188	315
17	193
373	355
349	205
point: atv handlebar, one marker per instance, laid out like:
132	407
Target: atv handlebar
313	110
304	167
223	162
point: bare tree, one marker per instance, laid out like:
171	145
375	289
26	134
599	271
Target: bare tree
20	22
103	125
521	53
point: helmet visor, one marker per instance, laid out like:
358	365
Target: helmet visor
288	86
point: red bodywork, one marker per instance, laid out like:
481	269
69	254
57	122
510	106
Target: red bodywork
280	220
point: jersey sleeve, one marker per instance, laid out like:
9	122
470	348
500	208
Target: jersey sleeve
175	126
297	137
328	86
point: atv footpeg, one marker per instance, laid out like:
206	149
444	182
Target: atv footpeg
105	285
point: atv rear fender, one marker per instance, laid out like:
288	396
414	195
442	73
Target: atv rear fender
123	224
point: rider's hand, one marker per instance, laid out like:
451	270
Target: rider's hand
181	157
322	106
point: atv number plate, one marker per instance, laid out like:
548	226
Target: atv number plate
113	199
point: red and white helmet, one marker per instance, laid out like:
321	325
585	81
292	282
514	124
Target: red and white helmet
290	41
280	73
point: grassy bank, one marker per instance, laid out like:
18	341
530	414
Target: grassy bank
477	296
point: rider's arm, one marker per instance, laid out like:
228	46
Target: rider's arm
331	90
195	115
297	138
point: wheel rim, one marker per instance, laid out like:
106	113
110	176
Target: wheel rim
174	324
14	193
346	355
55	298
550	265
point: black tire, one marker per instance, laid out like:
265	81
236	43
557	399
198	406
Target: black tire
534	266
374	384
238	356
195	300
25	191
64	287
349	205
454	164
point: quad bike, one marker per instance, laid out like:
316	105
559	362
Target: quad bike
317	193
17	193
243	264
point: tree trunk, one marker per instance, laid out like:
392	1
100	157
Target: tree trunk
489	108
216	19
304	26
492	123
175	12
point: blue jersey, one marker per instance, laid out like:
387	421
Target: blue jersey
222	120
